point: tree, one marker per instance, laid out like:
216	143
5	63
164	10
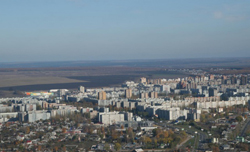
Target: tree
17	142
56	148
38	107
209	116
202	117
147	140
39	148
245	109
155	142
27	131
114	135
155	131
139	128
130	133
239	118
90	130
64	148
107	147
64	130
244	146
183	134
102	129
216	149
117	146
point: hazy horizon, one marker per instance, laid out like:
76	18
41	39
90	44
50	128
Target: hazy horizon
232	62
129	60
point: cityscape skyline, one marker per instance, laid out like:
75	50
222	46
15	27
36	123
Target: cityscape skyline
73	30
109	75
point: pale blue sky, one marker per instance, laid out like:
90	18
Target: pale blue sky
57	30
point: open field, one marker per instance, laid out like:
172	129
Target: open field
96	81
24	80
7	93
30	79
233	71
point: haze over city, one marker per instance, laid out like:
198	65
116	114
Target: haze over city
125	75
69	30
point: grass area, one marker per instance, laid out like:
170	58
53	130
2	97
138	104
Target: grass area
193	142
190	142
192	129
196	141
186	127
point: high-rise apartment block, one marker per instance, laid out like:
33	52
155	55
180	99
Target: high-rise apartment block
202	78
224	78
144	95
153	95
102	95
128	93
233	80
82	89
212	92
143	80
157	81
211	77
243	80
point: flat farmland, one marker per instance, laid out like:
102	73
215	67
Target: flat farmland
31	79
25	80
92	82
34	79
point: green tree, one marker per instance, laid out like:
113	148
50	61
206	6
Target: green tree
183	134
203	117
107	147
27	131
64	148
147	140
239	118
117	146
38	107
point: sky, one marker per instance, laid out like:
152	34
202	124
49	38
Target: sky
69	30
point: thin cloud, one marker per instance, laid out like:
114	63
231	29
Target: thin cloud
235	18
231	13
218	15
231	18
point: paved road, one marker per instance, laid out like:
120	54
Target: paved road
247	124
180	145
202	135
